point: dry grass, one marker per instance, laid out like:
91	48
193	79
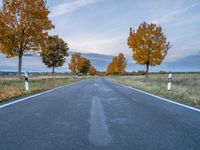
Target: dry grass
185	87
11	87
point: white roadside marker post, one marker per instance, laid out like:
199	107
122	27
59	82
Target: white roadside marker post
169	82
26	81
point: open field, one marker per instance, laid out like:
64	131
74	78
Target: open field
185	87
12	87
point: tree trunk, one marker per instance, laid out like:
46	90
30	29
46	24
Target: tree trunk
147	69
53	70
20	67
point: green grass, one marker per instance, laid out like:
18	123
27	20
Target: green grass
12	88
185	87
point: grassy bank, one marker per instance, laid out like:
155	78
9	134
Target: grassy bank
12	87
185	87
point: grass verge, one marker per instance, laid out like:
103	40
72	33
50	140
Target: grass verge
12	88
185	87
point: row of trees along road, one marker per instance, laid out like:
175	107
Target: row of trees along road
148	44
81	64
117	66
24	26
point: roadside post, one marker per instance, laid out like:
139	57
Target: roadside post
26	81
169	85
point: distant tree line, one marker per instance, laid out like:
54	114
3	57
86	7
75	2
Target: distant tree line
81	65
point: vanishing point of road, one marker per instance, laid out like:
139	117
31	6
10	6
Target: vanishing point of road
98	114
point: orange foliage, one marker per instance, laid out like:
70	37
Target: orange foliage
74	66
148	44
79	64
23	26
92	71
118	65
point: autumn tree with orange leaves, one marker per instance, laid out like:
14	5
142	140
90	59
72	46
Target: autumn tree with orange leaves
24	26
121	63
112	67
75	63
79	64
92	71
149	45
118	65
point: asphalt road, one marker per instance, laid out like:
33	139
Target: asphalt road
98	114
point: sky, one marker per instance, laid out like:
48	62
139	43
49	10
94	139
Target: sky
102	26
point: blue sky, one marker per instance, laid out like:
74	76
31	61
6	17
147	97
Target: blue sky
102	26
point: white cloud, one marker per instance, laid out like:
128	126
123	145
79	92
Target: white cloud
99	44
174	13
70	6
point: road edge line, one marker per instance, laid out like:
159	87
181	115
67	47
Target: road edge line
35	95
161	98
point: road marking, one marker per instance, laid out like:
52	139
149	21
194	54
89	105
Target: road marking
106	89
170	101
99	135
112	99
29	97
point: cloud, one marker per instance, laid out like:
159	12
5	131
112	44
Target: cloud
180	26
70	7
98	44
179	52
174	13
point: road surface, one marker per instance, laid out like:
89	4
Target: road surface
98	114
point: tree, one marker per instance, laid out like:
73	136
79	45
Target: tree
92	71
149	45
85	65
74	66
24	26
111	69
121	63
79	64
54	55
118	65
